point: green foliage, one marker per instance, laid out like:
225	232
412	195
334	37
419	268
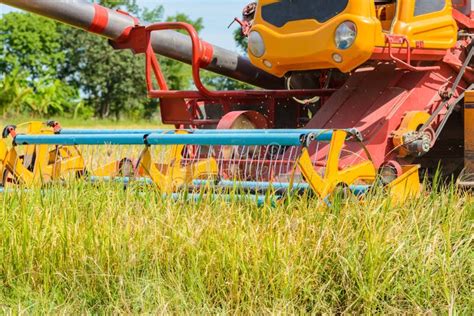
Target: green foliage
47	67
112	82
241	40
177	74
129	5
218	82
51	97
14	91
45	96
31	43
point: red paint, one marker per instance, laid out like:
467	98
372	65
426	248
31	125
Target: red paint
201	57
405	61
228	120
133	38
126	32
377	99
207	51
463	20
416	54
100	20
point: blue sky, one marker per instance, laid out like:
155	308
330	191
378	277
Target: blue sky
217	16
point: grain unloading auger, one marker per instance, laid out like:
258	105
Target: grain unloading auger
398	72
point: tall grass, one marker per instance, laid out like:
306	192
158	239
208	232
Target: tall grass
68	122
102	249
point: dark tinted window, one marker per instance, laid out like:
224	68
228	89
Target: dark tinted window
428	6
285	11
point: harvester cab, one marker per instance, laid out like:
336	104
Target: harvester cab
303	35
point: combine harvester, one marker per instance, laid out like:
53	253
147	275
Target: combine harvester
352	93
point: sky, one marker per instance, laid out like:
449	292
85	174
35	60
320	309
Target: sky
217	15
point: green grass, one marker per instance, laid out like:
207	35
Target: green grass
89	123
101	249
88	249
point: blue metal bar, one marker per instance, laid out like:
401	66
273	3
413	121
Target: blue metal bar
248	139
193	131
124	180
251	185
236	139
161	137
108	131
113	139
320	134
261	200
359	189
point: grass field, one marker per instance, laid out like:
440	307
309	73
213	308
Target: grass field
101	249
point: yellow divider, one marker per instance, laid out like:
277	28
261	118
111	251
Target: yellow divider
407	185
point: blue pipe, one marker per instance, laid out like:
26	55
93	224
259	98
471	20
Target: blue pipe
197	137
193	131
124	180
162	139
320	134
261	200
247	138
113	139
251	185
236	139
359	189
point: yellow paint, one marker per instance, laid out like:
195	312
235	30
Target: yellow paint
410	123
38	164
406	186
14	165
469	131
435	30
333	176
308	44
469	97
172	174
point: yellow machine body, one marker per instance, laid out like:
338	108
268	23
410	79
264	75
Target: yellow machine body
309	44
469	131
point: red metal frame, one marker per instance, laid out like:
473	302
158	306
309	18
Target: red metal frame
404	55
184	107
463	20
193	100
201	56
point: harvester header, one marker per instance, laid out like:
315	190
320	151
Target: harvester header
359	94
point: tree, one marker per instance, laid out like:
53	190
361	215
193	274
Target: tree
30	43
30	53
177	74
241	40
47	67
112	81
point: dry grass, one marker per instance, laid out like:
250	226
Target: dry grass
84	248
102	249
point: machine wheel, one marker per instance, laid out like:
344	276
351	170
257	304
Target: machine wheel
239	120
243	120
8	179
